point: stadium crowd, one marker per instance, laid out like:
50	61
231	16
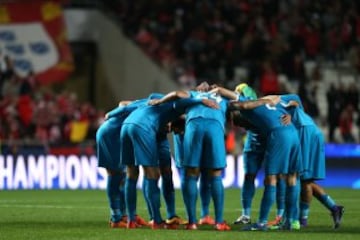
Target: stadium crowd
35	113
207	40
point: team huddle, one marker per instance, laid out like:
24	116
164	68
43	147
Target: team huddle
281	138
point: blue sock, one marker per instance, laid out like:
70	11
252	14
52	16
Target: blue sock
144	186
217	192
152	192
167	188
182	184
130	198
280	197
327	201
298	191
181	172
205	193
247	195
267	201
122	195
190	193
304	210
292	198
115	197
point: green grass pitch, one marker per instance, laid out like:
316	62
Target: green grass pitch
84	215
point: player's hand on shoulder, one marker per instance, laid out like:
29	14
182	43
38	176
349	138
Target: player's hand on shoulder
286	119
210	103
273	99
293	103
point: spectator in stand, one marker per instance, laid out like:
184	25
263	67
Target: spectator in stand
26	113
187	79
7	68
11	87
354	58
346	125
269	83
312	41
333	110
353	97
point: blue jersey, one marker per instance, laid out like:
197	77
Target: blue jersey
201	111
121	112
298	115
156	117
265	118
178	140
255	141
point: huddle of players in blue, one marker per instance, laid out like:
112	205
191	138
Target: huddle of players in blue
281	137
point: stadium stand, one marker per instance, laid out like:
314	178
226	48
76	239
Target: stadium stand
34	113
308	47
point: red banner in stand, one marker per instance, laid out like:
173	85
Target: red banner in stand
33	35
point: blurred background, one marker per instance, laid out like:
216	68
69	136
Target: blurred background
64	63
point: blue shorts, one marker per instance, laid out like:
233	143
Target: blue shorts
253	161
283	153
178	140
139	146
164	153
204	144
108	145
313	153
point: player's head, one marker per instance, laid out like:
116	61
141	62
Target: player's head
239	120
178	126
202	87
246	91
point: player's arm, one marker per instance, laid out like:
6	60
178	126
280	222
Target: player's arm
225	93
181	104
292	100
170	97
274	98
124	103
248	105
124	107
115	112
292	103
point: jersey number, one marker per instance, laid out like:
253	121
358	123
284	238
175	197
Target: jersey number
212	96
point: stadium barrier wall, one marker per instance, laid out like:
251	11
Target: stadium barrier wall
129	72
38	170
